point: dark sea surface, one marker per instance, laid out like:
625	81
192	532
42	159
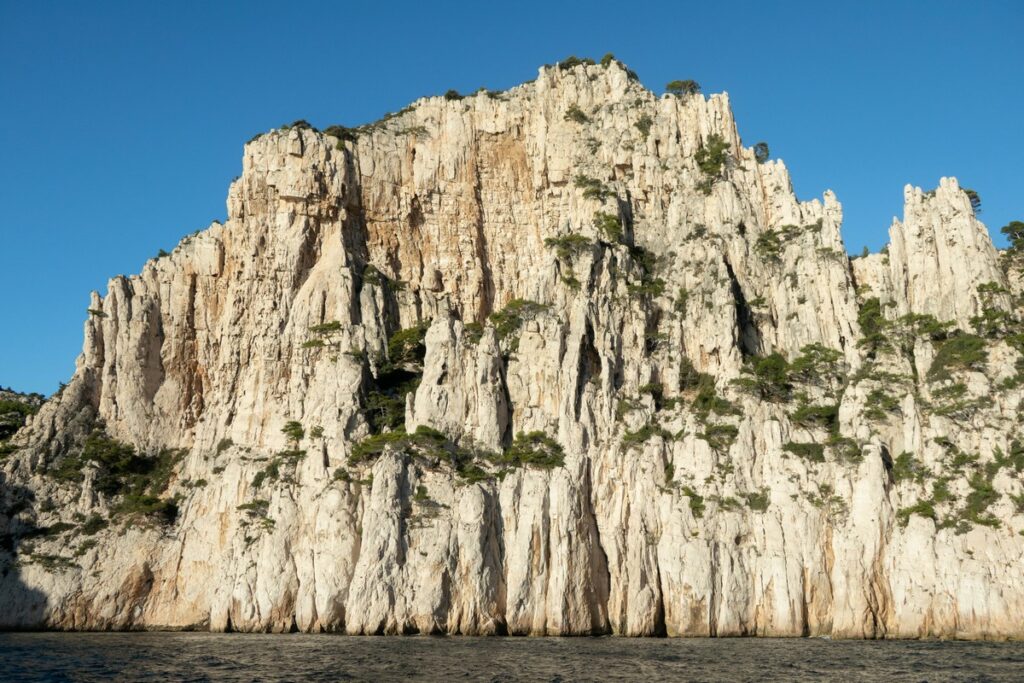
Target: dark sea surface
237	657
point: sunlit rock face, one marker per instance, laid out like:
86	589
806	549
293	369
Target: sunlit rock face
564	359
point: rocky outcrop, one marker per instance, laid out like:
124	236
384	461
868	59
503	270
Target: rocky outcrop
564	359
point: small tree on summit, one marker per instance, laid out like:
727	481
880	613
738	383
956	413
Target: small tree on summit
761	153
681	88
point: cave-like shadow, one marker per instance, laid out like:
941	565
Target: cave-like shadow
21	606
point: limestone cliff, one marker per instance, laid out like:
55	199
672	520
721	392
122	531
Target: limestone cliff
564	359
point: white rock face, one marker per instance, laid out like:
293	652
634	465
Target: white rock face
876	493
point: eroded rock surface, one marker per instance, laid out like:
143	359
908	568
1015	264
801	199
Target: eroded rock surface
640	395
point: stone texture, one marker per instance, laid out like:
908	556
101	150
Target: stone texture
454	199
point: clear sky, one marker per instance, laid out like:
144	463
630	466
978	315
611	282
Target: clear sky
122	123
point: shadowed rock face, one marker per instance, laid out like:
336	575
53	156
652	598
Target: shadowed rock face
574	277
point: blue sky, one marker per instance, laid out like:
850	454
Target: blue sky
121	124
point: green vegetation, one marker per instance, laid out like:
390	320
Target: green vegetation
974	198
682	296
696	502
592	188
817	365
136	482
574	113
711	160
961	352
608	225
343	134
607	59
568	246
768	245
981	497
272	471
719	437
397	375
766	377
93	525
702	385
880	404
573	61
680	88
294	431
761	152
510	319
644	125
535	449
813	452
922	508
13	414
632	439
907	468
452	95
821	416
224	444
872	325
758	501
1014	231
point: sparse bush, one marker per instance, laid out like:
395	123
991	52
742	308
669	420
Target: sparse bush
682	87
573	61
568	246
872	325
879	404
644	125
607	59
813	452
535	449
758	501
631	439
452	95
608	225
761	153
766	377
974	198
719	437
907	468
574	113
962	352
592	188
711	158
508	320
342	133
768	245
821	416
696	502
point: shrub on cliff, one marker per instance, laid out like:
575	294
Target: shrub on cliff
711	158
761	153
1014	231
573	61
766	377
535	449
962	352
682	87
644	125
576	114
